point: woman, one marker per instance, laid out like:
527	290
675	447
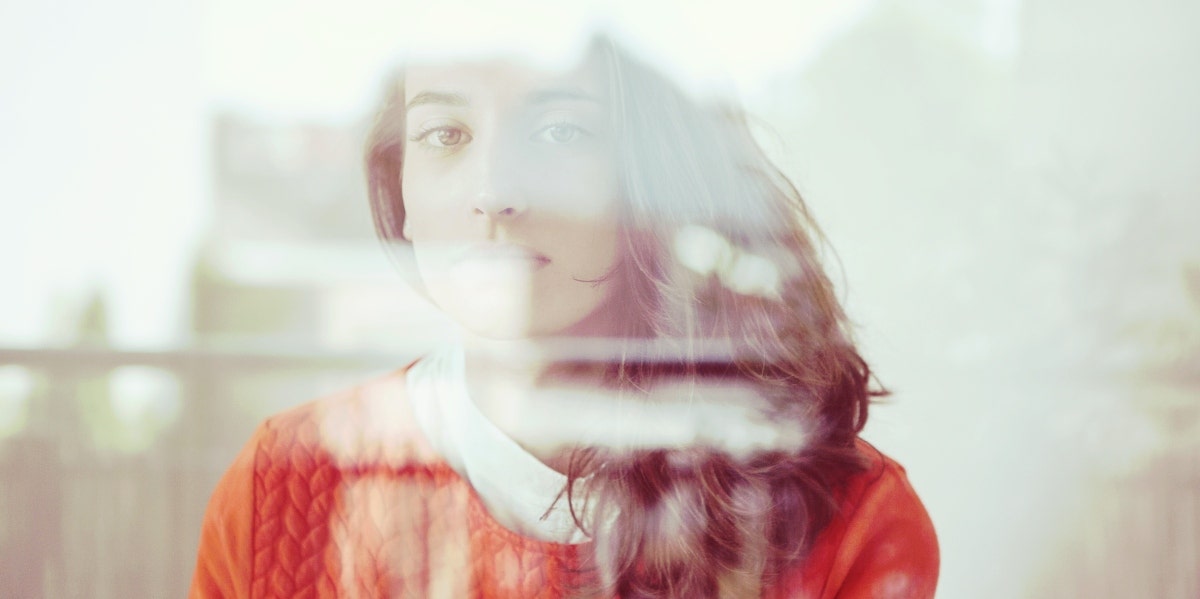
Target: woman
655	394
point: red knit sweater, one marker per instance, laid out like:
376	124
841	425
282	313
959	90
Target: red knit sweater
343	497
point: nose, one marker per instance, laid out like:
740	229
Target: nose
497	207
499	194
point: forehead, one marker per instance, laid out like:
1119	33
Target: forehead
502	80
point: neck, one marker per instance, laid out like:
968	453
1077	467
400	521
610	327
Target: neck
520	387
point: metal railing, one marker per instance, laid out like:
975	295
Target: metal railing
84	520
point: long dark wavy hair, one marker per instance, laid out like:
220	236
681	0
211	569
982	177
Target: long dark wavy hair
759	310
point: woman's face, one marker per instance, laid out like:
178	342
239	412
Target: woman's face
510	196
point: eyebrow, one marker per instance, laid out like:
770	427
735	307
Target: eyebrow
435	97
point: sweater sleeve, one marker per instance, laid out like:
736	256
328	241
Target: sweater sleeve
890	549
224	560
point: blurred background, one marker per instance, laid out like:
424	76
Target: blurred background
1010	188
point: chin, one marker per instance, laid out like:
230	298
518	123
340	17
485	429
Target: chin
498	323
513	327
498	332
507	317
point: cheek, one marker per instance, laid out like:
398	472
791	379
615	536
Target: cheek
583	191
590	247
428	202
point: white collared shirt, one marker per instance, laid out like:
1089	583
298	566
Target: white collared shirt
502	473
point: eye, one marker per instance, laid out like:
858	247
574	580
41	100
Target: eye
559	133
444	137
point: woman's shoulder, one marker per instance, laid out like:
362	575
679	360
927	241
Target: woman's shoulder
882	497
367	426
882	543
274	504
882	476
